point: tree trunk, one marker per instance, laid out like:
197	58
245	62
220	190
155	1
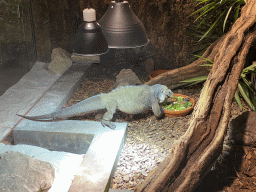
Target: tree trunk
194	153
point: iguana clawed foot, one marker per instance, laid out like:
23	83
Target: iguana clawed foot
109	124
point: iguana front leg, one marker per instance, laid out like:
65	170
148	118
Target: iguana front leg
157	110
111	109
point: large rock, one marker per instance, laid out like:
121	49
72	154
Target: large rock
60	61
243	128
127	77
19	172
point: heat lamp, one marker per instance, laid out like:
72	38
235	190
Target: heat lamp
118	28
121	27
89	39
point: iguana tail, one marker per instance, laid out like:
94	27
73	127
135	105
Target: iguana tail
91	104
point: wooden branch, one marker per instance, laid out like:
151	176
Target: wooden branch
194	153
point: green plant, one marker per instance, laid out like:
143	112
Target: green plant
198	33
212	20
217	14
245	87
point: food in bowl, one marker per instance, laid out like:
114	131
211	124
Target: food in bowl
177	103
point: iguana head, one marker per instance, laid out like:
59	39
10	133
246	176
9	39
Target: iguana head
162	92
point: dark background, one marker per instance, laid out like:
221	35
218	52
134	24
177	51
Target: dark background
30	29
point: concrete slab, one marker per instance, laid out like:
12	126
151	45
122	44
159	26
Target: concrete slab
69	136
102	147
4	131
24	94
100	161
58	95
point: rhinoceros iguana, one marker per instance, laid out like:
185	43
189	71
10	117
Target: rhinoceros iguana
129	99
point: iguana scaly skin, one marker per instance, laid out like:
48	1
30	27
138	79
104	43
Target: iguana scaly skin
128	99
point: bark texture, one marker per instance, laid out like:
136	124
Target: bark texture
194	153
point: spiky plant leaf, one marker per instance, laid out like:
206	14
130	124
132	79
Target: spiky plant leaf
218	13
249	85
226	18
204	58
238	100
195	79
214	25
249	69
245	94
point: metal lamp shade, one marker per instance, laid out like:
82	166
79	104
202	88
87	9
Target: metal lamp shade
90	39
121	27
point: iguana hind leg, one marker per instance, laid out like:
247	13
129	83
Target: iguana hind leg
111	109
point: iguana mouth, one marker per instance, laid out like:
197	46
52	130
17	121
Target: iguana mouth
170	94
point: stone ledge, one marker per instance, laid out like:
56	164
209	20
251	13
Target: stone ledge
101	156
20	97
31	87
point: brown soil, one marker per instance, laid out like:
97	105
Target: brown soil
149	141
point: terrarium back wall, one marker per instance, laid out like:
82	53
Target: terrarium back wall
17	45
165	22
